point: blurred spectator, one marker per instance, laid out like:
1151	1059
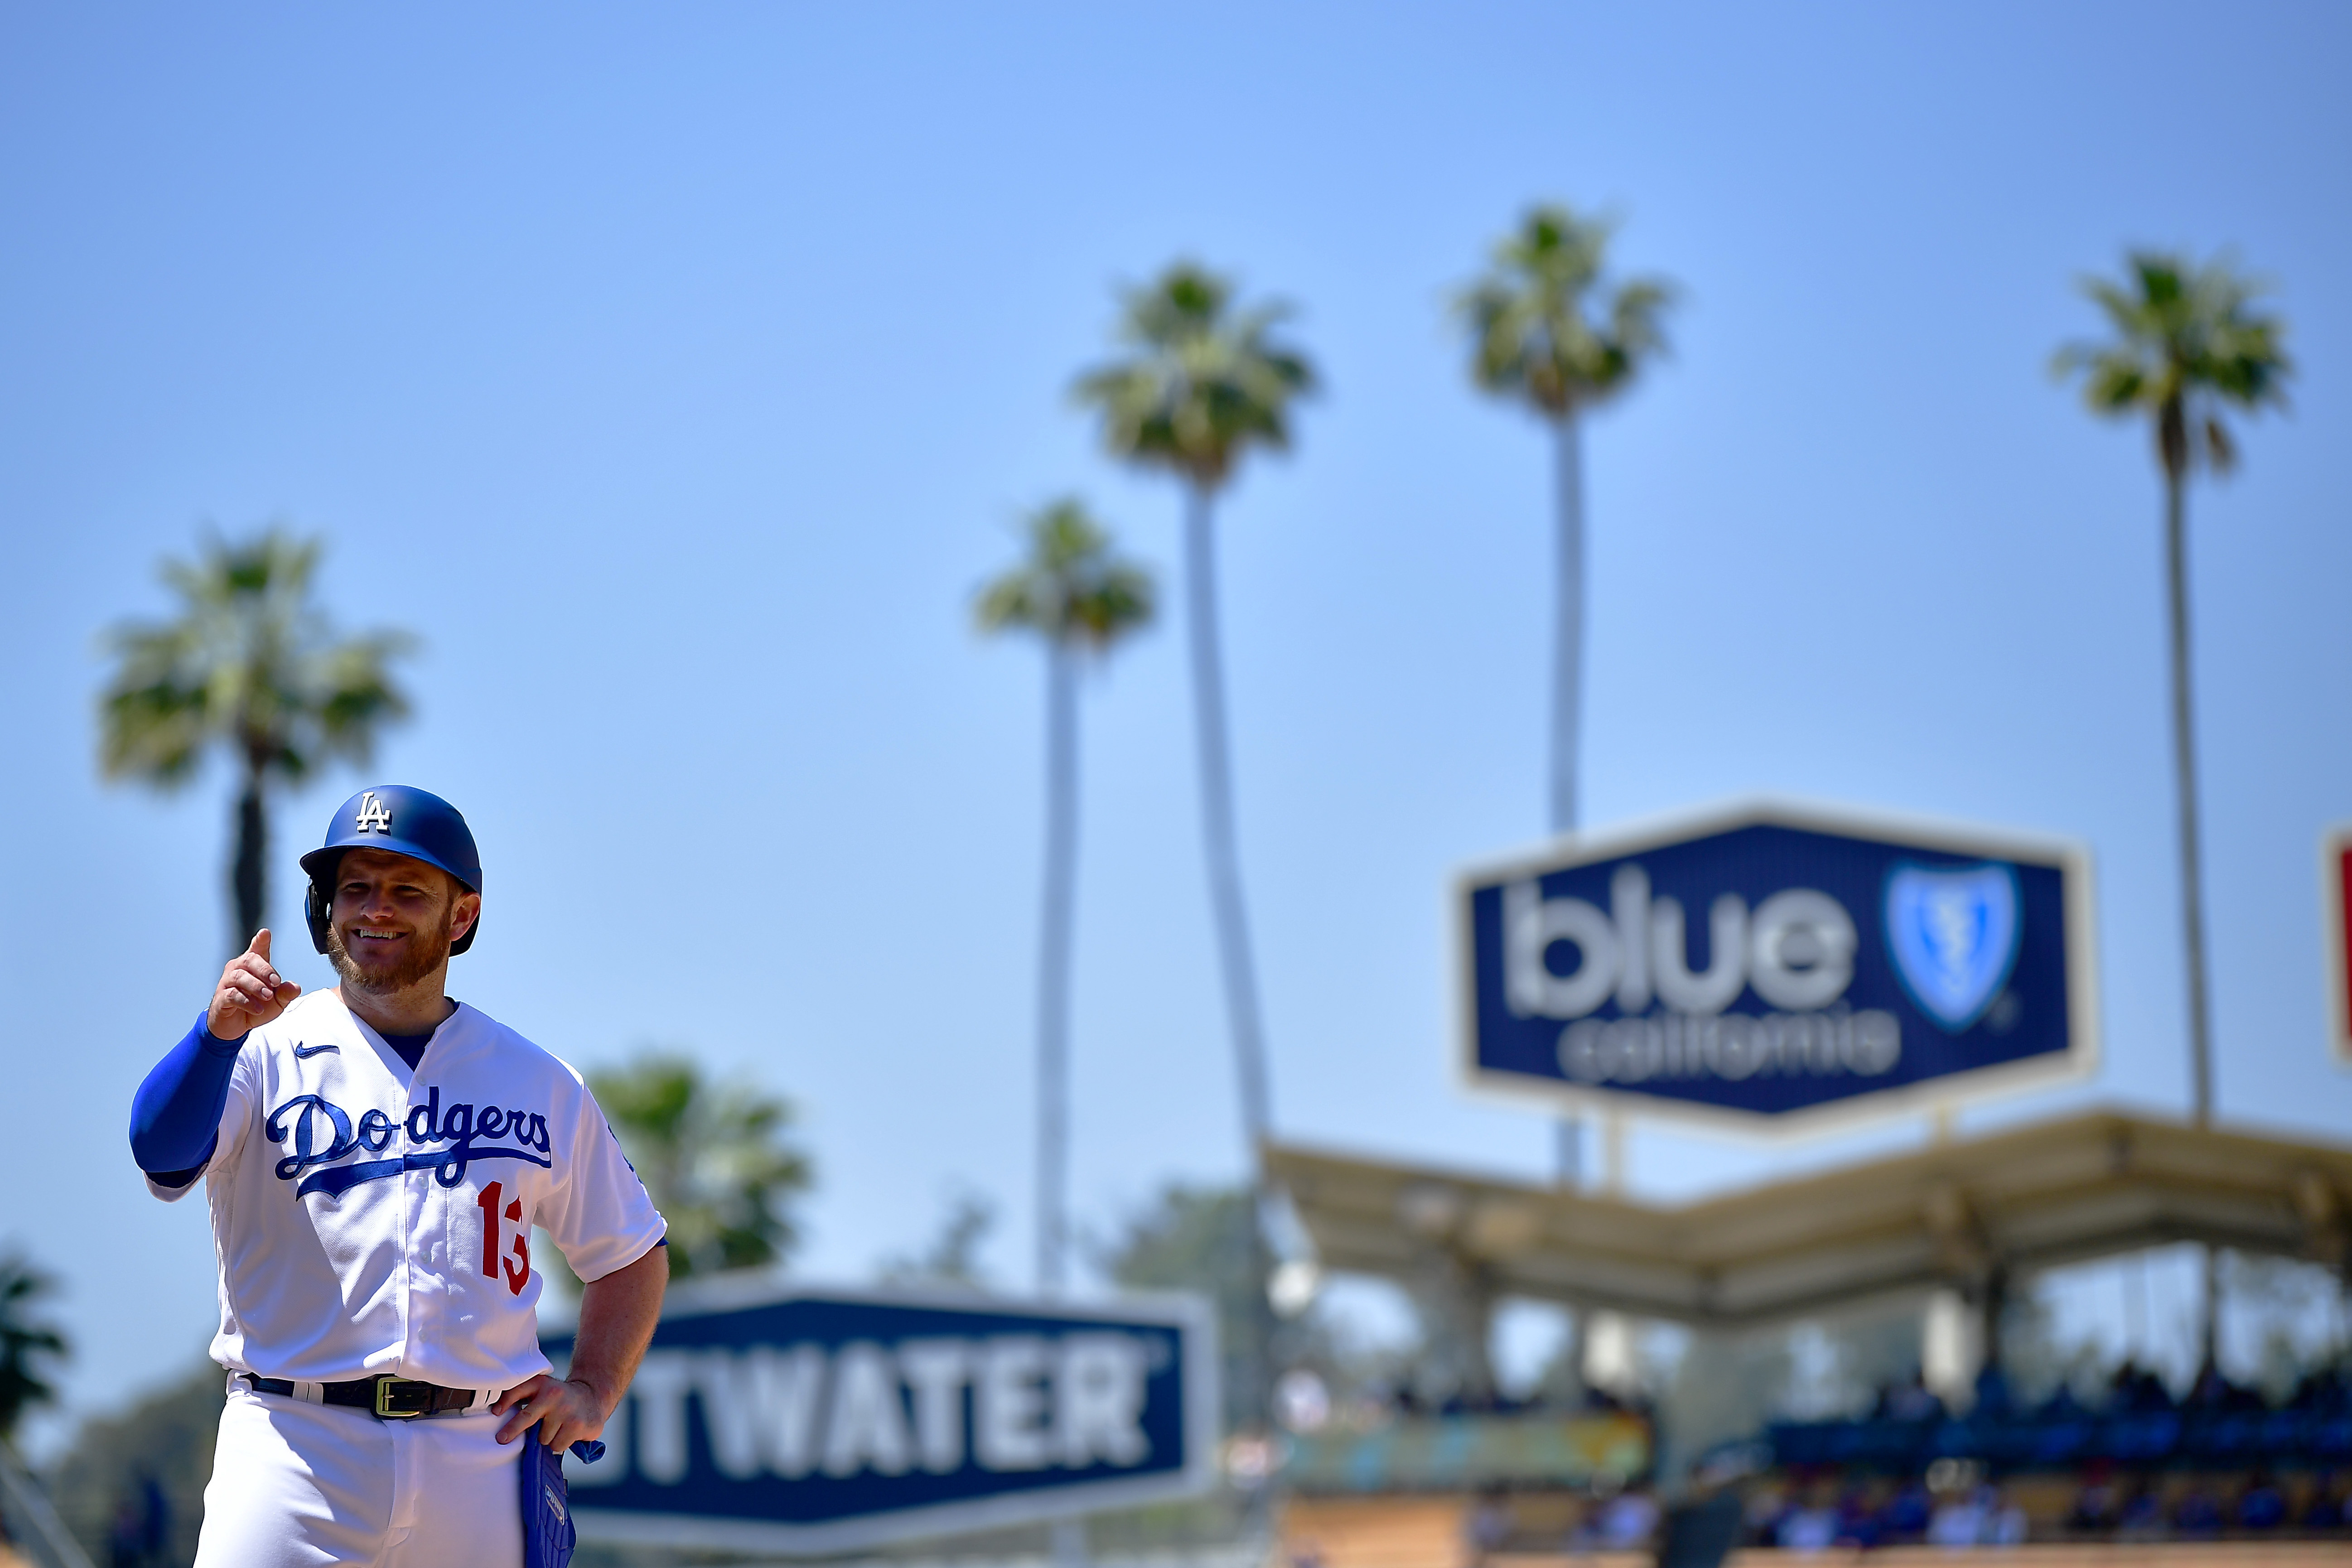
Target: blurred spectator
1760	1518
142	1529
2097	1504
1859	1526
2198	1513
2005	1523
2263	1507
2134	1390
1959	1520
1628	1521
2324	1392
1912	1401
1992	1391
1981	1517
122	1543
1490	1523
2143	1515
1906	1515
2211	1392
2061	1406
1811	1528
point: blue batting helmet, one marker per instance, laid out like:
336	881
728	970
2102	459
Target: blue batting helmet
405	821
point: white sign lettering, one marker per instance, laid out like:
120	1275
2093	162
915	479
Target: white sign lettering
1036	1402
1796	947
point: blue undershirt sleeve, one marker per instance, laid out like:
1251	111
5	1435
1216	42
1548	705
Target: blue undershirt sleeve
175	1116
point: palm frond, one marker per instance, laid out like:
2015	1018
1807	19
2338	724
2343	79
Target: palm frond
2190	341
1207	382
1072	586
1544	327
26	1342
249	662
716	1158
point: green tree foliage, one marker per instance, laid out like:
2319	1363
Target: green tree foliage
250	665
2292	1311
1547	329
717	1159
1075	593
29	1343
1724	1386
2189	346
1071	587
1202	381
159	1448
954	1256
1205	1239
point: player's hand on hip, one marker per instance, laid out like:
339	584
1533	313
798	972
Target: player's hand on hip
564	1413
251	993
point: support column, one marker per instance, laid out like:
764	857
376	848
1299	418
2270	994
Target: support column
1951	1348
1613	1362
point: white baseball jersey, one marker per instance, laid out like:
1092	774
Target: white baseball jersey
369	1219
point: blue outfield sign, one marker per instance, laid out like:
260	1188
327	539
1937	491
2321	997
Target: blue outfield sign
1777	960
766	1418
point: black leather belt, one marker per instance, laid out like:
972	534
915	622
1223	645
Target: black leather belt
387	1397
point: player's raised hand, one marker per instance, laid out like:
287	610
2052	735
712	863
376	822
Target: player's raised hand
251	993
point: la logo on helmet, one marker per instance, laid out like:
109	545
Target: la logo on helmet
373	816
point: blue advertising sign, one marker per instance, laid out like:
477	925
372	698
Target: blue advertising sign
1774	960
766	1418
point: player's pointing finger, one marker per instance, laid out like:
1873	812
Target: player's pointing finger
254	968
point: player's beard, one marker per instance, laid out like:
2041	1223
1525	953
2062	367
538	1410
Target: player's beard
427	951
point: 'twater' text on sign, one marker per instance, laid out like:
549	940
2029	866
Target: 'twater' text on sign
826	1421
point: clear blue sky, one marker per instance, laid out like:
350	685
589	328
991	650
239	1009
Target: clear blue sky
677	374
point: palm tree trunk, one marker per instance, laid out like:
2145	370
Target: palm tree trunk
2193	875
1217	821
1231	919
248	880
1568	625
2184	767
1567	701
1054	962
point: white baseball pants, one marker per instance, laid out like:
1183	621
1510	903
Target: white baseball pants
297	1486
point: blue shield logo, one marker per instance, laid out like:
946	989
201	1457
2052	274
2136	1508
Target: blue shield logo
1954	932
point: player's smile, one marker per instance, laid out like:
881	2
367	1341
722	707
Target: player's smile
394	918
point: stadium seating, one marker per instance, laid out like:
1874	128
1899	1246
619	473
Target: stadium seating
2218	1462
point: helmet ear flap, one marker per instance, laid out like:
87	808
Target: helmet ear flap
318	911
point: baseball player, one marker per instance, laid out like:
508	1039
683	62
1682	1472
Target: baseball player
376	1157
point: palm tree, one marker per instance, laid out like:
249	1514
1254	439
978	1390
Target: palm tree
715	1158
1546	330
1203	382
2188	342
26	1341
1080	597
250	663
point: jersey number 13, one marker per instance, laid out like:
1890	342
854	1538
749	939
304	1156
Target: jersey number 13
491	1235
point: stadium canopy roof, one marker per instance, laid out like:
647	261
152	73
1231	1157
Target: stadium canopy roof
1960	1215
